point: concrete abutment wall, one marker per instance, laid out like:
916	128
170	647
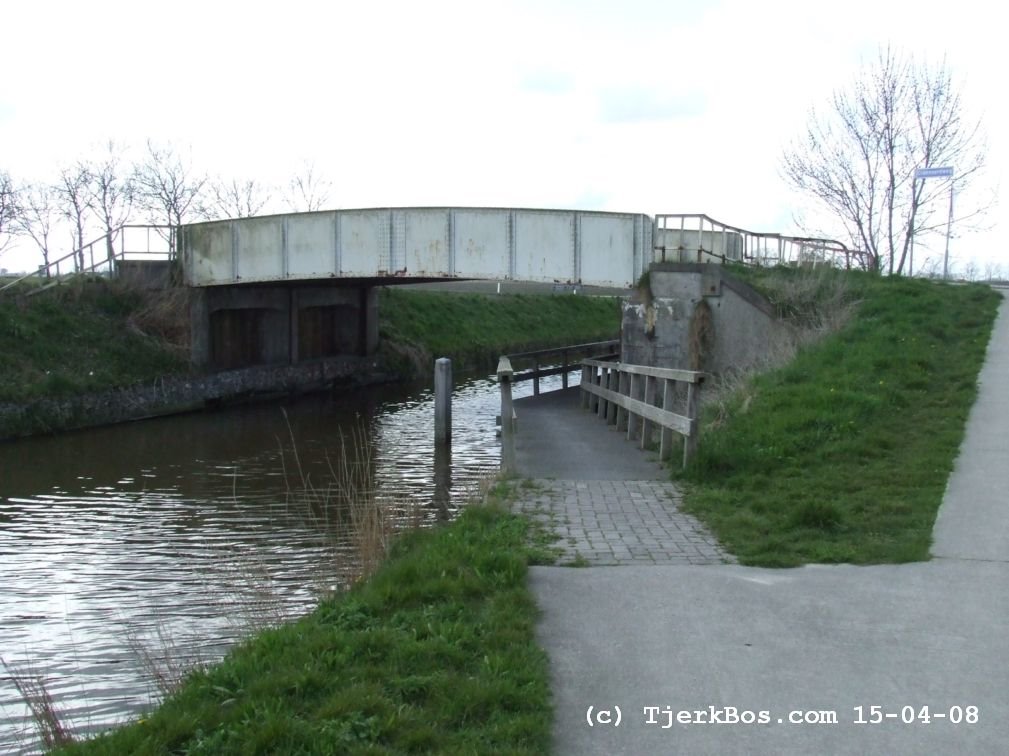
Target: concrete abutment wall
698	317
243	326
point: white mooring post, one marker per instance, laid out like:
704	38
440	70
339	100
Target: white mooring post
443	400
504	376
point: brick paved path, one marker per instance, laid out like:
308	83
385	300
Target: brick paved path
609	501
620	522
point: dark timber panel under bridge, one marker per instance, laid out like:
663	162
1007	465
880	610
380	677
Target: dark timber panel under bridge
242	326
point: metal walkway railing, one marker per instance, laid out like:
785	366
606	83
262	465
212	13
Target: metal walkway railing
128	242
558	361
695	237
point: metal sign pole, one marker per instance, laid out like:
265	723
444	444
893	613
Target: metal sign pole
949	224
910	267
945	171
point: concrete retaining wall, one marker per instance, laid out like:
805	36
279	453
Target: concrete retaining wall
174	394
697	317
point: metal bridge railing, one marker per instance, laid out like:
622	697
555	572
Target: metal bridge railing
559	361
100	257
695	237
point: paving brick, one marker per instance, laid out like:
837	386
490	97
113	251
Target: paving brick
622	522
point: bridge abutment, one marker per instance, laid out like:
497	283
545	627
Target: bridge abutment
698	317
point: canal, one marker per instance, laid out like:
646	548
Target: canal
136	550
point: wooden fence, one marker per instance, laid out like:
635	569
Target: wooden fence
639	399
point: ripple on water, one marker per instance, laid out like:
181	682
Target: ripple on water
168	528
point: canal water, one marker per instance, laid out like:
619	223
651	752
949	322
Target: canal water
136	550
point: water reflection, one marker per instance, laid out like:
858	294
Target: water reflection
169	531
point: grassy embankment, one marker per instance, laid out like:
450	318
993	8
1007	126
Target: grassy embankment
475	329
843	454
435	653
80	338
93	335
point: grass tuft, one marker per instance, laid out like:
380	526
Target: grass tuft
51	723
434	654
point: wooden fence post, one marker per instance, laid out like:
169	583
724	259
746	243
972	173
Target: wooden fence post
612	407
623	416
647	426
442	400
666	437
690	443
632	392
604	382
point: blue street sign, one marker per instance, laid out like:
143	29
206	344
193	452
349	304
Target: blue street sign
924	173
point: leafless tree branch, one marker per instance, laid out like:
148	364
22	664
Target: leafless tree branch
168	188
238	198
74	203
111	190
858	159
308	191
37	217
8	209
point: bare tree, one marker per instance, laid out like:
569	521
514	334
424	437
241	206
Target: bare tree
168	187
971	270
308	191
39	213
8	209
74	203
992	271
111	190
858	158
238	199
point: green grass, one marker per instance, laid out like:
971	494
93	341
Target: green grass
434	654
76	339
81	337
475	329
843	454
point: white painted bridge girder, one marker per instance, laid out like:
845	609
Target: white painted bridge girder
562	246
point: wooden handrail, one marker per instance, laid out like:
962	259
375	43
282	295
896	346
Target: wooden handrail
686	376
628	397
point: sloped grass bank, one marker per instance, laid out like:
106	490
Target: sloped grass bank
76	339
93	335
435	653
843	454
475	329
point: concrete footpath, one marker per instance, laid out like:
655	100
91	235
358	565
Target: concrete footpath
664	655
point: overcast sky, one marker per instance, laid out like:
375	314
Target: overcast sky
654	107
